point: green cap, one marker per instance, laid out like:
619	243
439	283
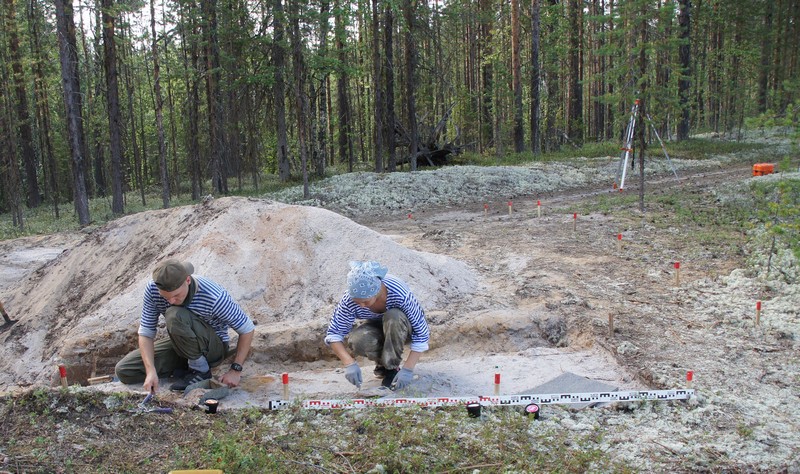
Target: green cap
170	274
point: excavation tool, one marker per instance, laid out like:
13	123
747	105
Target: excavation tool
8	321
146	406
501	400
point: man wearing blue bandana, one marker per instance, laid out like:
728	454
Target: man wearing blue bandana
392	316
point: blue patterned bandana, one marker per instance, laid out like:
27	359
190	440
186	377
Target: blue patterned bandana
364	279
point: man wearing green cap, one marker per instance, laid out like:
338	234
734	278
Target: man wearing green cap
198	313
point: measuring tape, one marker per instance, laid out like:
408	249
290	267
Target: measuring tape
496	400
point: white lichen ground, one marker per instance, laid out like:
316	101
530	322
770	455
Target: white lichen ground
746	416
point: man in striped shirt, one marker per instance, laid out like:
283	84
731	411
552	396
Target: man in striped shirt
198	313
392	315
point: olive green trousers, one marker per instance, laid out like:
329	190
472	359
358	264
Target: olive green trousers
189	338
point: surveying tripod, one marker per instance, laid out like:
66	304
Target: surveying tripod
627	146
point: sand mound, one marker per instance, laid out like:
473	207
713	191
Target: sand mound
286	266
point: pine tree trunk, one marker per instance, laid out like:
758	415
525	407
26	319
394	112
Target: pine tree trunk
321	141
12	187
608	64
301	103
551	139
42	102
191	69
92	165
389	112
575	109
134	135
214	97
409	12
72	102
643	39
377	92
766	57
516	71
487	84
344	116
159	103
279	92
173	134
112	103
536	100
29	158
95	133
684	55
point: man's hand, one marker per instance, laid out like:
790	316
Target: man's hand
231	378
151	383
353	374
403	378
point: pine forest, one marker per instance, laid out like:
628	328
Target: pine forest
134	99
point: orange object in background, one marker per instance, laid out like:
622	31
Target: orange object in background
760	169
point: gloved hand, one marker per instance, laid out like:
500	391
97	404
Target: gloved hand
403	378
353	374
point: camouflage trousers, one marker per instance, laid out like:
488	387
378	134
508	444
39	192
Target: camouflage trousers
382	340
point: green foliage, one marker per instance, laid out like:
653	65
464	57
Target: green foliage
589	150
420	440
42	220
777	209
788	122
786	165
291	440
693	149
457	41
745	431
705	148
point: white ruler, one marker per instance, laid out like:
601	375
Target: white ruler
496	400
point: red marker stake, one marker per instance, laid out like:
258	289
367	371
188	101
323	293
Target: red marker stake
689	377
677	273
510	206
62	372
485	210
758	312
497	384
574	221
539	207
285	381
409	215
619	241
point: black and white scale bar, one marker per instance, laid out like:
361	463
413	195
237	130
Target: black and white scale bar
496	400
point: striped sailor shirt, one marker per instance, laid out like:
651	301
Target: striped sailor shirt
210	302
399	296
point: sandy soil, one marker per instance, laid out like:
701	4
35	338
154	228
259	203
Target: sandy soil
526	296
287	267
